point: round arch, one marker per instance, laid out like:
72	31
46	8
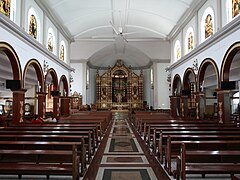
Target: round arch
227	61
189	71
177	85
36	65
14	60
53	74
202	69
63	79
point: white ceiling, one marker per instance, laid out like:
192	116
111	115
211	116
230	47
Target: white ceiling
137	20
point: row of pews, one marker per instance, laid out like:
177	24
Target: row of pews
62	148
190	146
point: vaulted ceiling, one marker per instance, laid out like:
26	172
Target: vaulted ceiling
119	21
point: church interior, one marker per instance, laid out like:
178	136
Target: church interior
120	90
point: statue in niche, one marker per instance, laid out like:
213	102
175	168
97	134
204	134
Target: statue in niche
33	26
104	93
208	26
50	42
5	7
135	96
119	97
62	52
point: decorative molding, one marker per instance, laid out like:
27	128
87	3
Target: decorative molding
90	65
188	15
215	38
55	21
16	31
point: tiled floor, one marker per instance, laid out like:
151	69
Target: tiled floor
123	158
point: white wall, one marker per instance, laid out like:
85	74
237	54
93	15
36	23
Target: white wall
79	78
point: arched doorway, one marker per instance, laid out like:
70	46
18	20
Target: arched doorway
208	83
230	82
33	83
10	69
189	93
64	99
51	90
175	100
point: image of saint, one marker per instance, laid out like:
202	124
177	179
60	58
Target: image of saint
178	53
119	97
104	93
208	26
50	42
33	27
5	7
62	52
190	41
235	7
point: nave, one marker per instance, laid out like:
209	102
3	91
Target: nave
123	155
126	149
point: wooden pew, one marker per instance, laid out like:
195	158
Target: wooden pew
95	137
207	162
189	127
55	158
95	126
173	147
162	143
86	135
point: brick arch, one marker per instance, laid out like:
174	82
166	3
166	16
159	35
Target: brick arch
202	69
39	72
14	60
227	61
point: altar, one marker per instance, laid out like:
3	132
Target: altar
120	106
119	88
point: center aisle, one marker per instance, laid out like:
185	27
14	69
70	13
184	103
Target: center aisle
123	157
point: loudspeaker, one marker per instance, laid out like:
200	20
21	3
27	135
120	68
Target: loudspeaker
14	85
228	85
55	93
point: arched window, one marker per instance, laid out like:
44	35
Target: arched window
50	40
189	40
62	52
5	7
13	10
33	24
232	8
177	50
207	24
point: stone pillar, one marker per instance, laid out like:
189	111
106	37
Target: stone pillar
200	105
41	96
224	106
56	107
175	106
65	102
18	106
184	106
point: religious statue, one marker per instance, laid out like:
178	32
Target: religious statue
208	26
33	27
119	97
190	41
50	42
5	7
62	52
